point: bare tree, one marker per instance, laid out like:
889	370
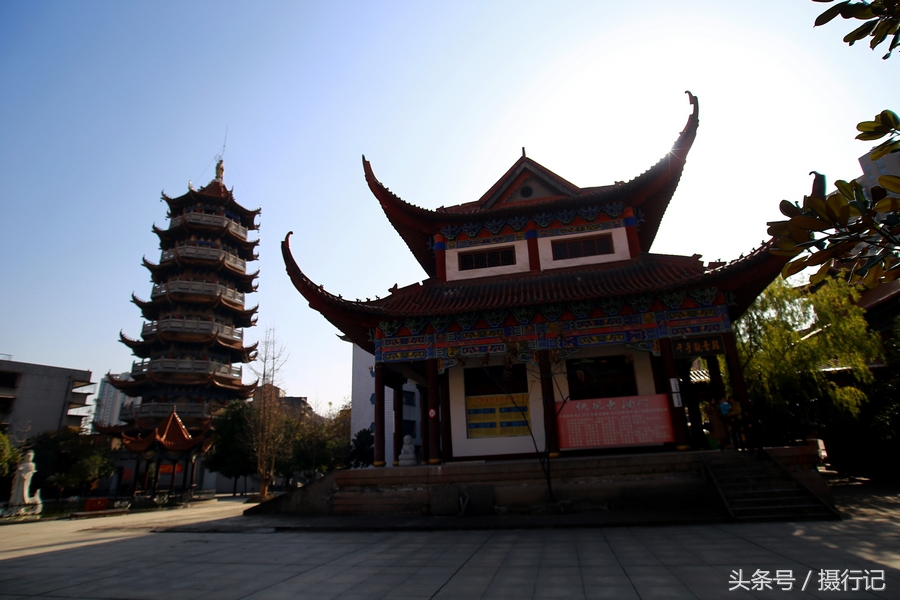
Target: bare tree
268	423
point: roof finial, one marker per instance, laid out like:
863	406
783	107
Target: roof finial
523	151
220	164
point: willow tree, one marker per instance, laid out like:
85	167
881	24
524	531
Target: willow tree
806	355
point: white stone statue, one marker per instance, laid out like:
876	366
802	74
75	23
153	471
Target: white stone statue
20	502
407	453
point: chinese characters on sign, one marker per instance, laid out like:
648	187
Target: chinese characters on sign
607	422
501	415
698	346
828	580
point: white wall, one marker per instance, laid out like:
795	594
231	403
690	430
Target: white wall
619	243
463	446
362	411
451	259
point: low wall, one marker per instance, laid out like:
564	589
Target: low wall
664	480
802	461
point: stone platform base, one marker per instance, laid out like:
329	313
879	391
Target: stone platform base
663	480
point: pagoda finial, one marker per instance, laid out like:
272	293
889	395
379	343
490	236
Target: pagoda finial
523	151
220	170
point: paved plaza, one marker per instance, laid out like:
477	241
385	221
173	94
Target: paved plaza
209	551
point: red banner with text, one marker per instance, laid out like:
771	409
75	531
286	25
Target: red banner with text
607	422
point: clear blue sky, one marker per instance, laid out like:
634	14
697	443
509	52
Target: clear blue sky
105	104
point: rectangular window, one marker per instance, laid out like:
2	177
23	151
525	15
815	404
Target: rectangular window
9	379
586	246
409	428
409	398
484	259
601	377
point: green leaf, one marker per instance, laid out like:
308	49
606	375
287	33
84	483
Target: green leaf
881	32
868	125
788	209
831	13
861	32
810	223
885	149
889	182
792	268
820	274
778	228
887	205
871	136
844	188
890	118
859	10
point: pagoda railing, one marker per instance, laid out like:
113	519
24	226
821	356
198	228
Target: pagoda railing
210	221
203	253
201	288
162	409
185	366
192	326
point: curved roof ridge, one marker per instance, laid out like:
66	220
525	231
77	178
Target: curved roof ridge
652	191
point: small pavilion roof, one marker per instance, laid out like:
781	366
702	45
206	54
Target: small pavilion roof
170	435
650	192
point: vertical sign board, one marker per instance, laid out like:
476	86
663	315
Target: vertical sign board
608	422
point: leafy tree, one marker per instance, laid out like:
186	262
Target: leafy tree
805	354
68	461
232	451
362	449
319	443
9	456
882	19
851	229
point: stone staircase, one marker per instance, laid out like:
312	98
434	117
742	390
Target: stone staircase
760	489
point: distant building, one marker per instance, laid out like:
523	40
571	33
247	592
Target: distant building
873	169
192	337
39	398
363	402
110	402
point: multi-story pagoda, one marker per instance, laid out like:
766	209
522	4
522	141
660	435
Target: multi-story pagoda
195	318
545	322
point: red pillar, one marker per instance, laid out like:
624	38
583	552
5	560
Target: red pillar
440	256
134	478
679	425
446	430
534	257
397	389
634	244
379	414
549	402
434	407
423	422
